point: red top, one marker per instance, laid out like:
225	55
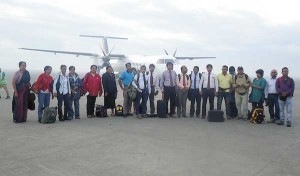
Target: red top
44	82
92	84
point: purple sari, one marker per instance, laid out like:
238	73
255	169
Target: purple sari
20	103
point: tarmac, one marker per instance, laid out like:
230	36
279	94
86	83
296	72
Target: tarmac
117	146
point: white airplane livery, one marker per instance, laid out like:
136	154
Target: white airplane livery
118	61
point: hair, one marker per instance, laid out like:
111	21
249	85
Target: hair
225	67
21	62
47	67
108	67
169	63
128	63
260	71
133	68
62	66
143	66
93	66
196	67
209	65
285	68
151	65
182	67
71	67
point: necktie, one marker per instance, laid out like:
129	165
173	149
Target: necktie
195	80
171	79
151	79
144	77
184	82
208	81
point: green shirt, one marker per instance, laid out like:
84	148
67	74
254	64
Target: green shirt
3	80
258	95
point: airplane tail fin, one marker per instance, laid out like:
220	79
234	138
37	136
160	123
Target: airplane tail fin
100	36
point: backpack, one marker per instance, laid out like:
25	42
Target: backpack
119	110
131	92
257	116
101	111
236	77
49	115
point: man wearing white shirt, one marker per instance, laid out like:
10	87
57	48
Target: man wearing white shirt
153	86
209	84
141	84
271	95
195	78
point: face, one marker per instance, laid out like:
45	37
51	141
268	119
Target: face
152	69
94	69
224	70
274	73
23	66
170	67
72	71
109	70
258	75
63	69
133	71
209	69
285	72
240	72
128	67
184	70
48	71
196	70
143	69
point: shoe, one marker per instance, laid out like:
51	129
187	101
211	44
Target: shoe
245	119
191	115
289	124
8	97
184	116
89	116
280	123
124	115
77	117
203	117
129	114
271	121
39	120
139	116
198	116
93	115
239	118
178	116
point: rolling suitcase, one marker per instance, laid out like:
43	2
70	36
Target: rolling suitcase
215	116
161	108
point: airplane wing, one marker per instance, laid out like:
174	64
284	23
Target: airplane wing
117	56
62	52
192	58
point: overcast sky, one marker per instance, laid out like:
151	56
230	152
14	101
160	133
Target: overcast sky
255	34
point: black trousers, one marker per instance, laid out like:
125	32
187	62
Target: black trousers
170	94
207	94
273	102
151	100
195	97
90	105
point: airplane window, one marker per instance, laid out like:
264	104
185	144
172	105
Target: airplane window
169	60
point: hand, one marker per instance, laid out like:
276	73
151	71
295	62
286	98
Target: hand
139	90
100	94
54	94
200	92
16	94
156	93
284	94
106	94
216	94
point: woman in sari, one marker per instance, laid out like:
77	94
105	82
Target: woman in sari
21	85
110	89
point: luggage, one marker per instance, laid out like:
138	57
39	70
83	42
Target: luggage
215	116
119	110
233	110
257	116
161	108
31	103
101	111
49	115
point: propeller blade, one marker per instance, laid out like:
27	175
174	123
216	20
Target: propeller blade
166	52
112	49
175	53
102	51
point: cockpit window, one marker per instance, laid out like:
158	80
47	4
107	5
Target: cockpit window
169	60
160	61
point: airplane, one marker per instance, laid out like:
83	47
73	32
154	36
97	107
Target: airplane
119	60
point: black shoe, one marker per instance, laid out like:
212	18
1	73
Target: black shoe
280	123
129	114
8	97
184	116
198	116
191	115
124	115
203	117
178	116
289	124
93	115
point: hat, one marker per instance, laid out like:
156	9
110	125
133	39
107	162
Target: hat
240	68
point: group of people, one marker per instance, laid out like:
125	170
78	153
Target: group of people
176	89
